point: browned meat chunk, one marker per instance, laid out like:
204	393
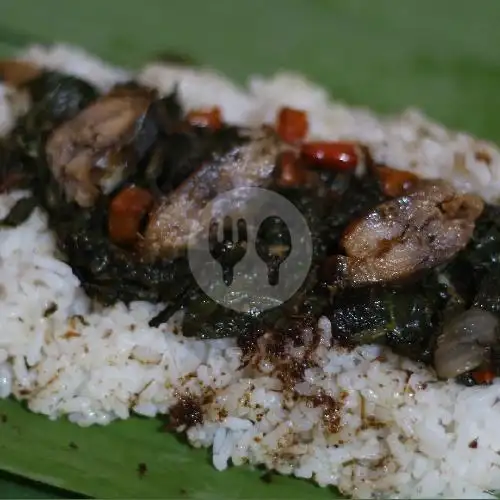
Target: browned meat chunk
89	154
180	215
413	232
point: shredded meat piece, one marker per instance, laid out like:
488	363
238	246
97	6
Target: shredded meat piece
17	73
413	232
181	214
87	154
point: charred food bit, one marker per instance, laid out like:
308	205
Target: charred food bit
91	154
408	234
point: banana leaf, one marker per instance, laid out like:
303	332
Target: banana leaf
439	56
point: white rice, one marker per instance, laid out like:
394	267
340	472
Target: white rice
402	434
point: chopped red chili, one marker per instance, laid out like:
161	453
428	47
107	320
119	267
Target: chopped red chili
395	182
335	155
126	211
210	118
483	376
292	124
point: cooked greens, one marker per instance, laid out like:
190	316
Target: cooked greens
395	259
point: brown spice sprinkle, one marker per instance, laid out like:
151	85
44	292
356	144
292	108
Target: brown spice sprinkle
370	422
186	412
342	343
72	322
274	345
107	334
71	334
81	319
473	444
222	414
208	396
483	156
291	372
332	411
51	309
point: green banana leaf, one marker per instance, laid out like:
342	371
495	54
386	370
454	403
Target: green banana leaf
440	56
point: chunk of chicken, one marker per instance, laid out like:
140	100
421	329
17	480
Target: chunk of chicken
181	216
413	232
90	153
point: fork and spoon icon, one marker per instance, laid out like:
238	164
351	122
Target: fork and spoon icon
228	250
251	250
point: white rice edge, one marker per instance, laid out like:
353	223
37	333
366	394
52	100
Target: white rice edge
113	364
75	61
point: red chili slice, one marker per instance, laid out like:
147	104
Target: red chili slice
292	124
395	182
336	155
483	376
127	209
211	118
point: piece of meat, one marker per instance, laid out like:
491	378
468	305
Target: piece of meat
89	153
16	73
413	232
181	214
